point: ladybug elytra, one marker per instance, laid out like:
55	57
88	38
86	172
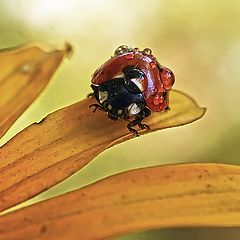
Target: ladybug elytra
130	85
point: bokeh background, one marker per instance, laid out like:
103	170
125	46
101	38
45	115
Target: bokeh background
198	40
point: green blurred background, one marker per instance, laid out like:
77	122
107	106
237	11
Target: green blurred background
198	40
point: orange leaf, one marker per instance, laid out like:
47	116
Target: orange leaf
158	197
25	72
46	153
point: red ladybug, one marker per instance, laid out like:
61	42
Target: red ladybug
130	85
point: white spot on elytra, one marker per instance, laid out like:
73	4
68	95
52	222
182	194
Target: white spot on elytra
102	96
138	83
133	109
109	107
119	111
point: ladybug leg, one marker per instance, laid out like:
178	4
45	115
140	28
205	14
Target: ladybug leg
143	126
94	93
90	95
143	114
96	106
132	124
135	122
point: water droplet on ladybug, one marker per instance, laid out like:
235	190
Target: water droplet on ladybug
153	65
160	88
168	78
122	49
138	55
161	99
147	51
158	99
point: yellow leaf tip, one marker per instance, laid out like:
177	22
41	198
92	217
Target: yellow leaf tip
203	111
68	48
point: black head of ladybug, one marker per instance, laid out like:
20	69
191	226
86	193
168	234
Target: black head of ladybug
121	97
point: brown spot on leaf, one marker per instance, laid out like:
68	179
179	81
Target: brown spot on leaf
43	229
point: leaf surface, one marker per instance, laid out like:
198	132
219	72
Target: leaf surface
157	197
24	73
44	154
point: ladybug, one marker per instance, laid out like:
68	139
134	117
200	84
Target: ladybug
130	85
